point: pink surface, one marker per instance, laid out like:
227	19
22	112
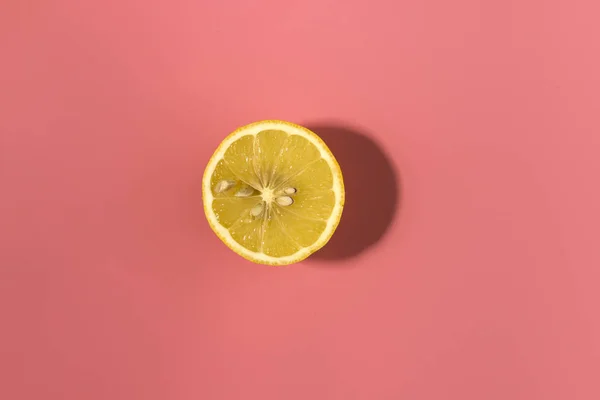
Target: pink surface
466	267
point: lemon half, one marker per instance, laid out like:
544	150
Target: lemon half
273	192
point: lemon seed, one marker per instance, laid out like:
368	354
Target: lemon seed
224	185
244	192
284	200
257	209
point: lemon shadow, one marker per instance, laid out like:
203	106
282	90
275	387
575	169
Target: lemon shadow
372	192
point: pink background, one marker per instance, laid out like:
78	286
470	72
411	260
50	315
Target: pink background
467	265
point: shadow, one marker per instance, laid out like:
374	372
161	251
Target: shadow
372	192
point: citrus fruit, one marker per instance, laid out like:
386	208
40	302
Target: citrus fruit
273	192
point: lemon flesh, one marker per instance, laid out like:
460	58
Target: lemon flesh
273	192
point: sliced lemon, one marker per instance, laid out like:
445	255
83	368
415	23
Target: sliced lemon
273	192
